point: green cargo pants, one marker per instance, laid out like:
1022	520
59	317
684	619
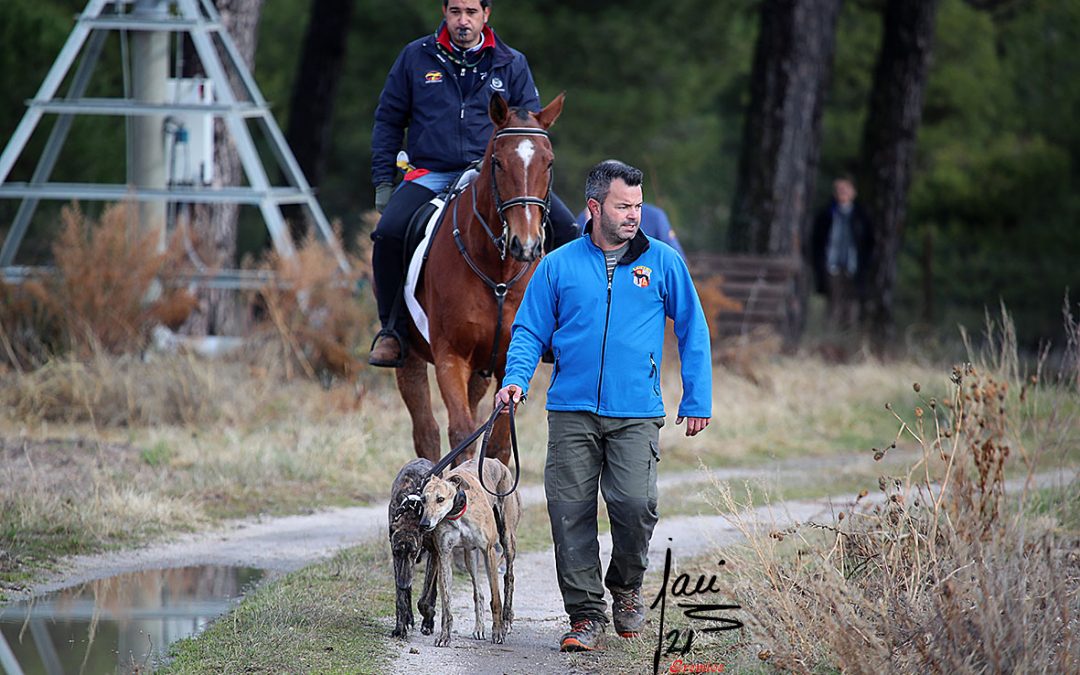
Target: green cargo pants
620	455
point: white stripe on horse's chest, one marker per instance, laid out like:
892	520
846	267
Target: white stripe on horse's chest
525	151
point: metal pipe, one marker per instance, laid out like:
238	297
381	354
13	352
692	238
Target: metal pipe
150	70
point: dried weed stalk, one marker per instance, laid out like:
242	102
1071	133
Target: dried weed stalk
943	570
313	314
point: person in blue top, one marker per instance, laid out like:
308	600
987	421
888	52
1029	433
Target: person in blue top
438	89
600	303
654	223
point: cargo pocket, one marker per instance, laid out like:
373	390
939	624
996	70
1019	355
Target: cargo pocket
654	448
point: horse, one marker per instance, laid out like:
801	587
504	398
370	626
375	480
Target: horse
474	279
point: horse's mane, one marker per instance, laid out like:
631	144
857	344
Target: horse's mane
521	113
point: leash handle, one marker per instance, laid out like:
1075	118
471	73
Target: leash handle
485	430
513	446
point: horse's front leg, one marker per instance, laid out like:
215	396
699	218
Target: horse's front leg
453	373
412	382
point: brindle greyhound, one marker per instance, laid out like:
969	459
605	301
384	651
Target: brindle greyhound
408	542
461	513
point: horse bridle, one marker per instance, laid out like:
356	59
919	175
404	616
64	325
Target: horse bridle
502	242
500	289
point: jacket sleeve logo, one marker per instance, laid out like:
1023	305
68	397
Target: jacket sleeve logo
641	276
432	76
497	84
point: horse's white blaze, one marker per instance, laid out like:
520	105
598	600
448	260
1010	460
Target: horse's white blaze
525	151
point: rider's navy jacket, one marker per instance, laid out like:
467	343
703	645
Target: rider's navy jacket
448	128
608	340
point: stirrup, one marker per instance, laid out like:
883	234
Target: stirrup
403	348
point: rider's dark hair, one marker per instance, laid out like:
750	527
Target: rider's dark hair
598	184
483	3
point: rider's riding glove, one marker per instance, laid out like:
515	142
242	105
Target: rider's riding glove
382	196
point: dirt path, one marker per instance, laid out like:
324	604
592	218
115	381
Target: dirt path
289	543
285	544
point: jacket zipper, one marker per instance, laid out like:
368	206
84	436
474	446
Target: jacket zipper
603	344
653	375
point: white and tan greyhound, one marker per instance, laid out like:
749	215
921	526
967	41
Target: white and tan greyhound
462	513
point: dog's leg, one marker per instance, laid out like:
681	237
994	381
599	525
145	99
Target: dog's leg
426	605
412	382
498	628
510	552
472	563
446	574
403	581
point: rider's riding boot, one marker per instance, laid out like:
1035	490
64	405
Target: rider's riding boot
388	271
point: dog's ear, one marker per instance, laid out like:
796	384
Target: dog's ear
459	481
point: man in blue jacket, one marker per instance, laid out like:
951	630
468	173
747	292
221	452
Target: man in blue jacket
654	223
600	304
438	88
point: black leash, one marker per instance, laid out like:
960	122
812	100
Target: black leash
485	431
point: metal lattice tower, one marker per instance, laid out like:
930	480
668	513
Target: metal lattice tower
199	20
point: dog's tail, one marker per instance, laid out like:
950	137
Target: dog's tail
500	522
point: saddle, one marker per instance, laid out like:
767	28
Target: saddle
418	237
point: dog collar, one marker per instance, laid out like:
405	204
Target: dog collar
460	496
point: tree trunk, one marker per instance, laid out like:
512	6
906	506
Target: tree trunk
888	148
314	92
221	312
781	138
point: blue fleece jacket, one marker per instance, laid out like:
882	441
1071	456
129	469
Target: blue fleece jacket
608	340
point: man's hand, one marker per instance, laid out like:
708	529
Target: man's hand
693	424
510	392
382	196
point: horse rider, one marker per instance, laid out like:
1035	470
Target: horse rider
601	303
438	88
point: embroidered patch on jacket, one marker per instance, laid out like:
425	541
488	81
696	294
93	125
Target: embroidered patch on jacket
641	276
432	77
497	84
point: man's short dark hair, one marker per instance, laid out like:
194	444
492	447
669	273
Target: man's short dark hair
483	3
598	184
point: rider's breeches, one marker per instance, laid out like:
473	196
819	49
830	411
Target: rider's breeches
618	456
387	256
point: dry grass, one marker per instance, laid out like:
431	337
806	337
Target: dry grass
103	298
943	571
313	319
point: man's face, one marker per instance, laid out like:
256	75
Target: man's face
844	191
620	214
465	20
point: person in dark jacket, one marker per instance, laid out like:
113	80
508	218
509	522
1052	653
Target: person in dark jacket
600	304
841	248
438	89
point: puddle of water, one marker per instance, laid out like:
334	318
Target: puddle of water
120	624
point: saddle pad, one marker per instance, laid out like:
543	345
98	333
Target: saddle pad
416	264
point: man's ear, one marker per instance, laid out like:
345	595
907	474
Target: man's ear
594	208
498	111
551	112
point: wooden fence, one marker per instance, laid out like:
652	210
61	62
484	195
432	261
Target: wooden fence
744	294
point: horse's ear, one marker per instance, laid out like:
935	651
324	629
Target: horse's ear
551	113
498	110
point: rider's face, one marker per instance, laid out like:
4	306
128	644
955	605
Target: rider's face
620	214
465	20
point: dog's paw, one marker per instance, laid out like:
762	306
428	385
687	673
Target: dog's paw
498	636
427	628
400	632
442	640
478	633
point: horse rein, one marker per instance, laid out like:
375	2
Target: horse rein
485	430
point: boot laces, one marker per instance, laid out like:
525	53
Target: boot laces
581	626
628	601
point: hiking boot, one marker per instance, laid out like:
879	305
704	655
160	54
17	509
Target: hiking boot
386	352
584	636
627	611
